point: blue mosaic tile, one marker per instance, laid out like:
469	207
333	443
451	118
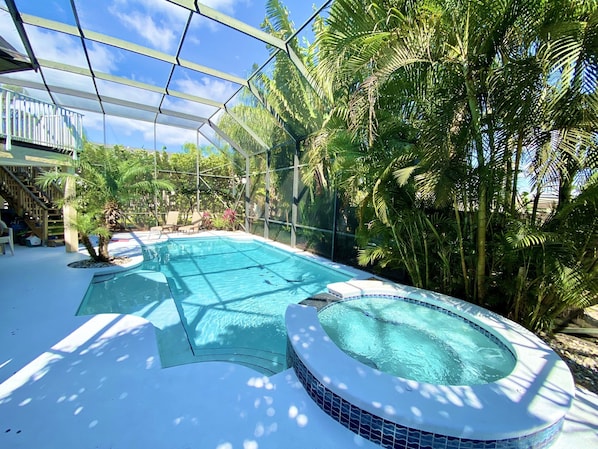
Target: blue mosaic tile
401	432
388	427
377	423
376	437
366	418
413	436
401	441
426	440
467	444
440	440
387	441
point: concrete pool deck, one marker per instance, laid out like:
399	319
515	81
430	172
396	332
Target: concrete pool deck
96	382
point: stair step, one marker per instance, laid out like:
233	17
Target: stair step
55	221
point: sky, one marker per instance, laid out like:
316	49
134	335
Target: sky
154	24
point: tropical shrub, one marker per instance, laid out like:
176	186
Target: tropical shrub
106	181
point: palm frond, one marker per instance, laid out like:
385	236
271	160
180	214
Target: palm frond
524	236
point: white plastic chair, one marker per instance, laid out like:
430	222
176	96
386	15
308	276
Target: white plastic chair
8	239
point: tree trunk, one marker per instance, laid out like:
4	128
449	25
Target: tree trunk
516	173
482	215
461	248
567	175
89	247
103	254
481	245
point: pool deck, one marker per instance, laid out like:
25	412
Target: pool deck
97	381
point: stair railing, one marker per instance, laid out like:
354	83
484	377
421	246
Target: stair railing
31	208
52	193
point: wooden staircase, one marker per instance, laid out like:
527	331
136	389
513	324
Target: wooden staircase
37	208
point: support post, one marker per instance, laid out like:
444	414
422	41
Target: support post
295	205
334	224
71	235
247	193
267	205
197	171
8	143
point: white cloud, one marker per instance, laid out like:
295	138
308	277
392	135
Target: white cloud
187	107
103	58
225	6
92	121
160	36
168	11
128	93
56	46
60	47
136	133
9	32
69	80
174	138
205	87
156	21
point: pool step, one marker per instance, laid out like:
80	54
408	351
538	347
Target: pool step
263	362
320	300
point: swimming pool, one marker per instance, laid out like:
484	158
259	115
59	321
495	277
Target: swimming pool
214	298
408	340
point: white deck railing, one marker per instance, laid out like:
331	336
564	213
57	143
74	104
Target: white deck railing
25	119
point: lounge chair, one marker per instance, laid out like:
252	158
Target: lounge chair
8	239
172	219
195	223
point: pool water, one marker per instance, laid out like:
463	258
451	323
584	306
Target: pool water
214	298
416	342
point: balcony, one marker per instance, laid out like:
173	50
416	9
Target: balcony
36	133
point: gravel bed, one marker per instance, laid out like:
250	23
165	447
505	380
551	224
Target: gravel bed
90	263
581	355
580	352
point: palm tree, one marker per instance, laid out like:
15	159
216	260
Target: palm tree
105	182
479	89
